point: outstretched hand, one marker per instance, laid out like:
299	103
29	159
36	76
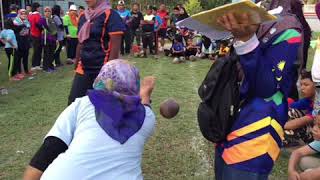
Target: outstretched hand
147	86
241	27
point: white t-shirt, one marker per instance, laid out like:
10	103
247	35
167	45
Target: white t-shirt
92	153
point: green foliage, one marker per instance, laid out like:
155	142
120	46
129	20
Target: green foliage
193	6
209	4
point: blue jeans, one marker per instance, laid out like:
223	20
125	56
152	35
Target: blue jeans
226	172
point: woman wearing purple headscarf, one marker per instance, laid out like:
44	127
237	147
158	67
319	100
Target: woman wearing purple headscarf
100	32
102	135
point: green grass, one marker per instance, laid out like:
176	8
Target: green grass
176	151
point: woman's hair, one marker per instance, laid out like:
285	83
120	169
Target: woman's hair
56	10
35	6
8	24
306	74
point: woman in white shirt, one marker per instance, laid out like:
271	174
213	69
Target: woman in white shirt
102	135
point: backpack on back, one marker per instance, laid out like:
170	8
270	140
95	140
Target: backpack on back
220	97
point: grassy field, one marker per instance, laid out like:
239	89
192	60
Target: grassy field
176	151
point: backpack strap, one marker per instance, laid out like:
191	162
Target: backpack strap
103	37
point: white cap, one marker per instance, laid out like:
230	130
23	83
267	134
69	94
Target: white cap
73	8
121	2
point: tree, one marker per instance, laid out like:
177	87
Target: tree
209	4
193	6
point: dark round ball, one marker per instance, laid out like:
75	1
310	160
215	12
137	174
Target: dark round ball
169	108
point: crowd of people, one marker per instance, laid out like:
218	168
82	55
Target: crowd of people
51	32
109	91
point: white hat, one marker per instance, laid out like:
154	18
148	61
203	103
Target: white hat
73	8
121	2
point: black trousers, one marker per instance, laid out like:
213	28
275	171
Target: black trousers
136	35
57	59
23	55
37	51
48	58
72	44
148	41
13	66
126	42
81	84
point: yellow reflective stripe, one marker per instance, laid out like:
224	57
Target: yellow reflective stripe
278	128
249	129
256	126
252	149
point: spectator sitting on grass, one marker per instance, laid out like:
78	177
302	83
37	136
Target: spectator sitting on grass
178	51
302	164
191	50
300	120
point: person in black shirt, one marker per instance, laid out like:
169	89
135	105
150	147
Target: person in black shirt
147	25
137	17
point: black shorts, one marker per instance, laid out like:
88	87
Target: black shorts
162	33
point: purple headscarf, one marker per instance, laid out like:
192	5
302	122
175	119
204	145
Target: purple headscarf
116	99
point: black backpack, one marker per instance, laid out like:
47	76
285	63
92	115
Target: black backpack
220	97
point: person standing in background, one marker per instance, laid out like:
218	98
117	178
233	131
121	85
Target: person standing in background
81	11
70	23
175	15
49	39
157	25
148	31
22	31
95	47
13	12
28	9
126	18
137	16
164	14
35	31
56	11
8	38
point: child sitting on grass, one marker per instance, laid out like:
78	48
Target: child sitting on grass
178	51
191	50
300	123
224	50
302	164
208	48
8	38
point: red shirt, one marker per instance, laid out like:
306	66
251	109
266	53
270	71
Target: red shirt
34	19
163	15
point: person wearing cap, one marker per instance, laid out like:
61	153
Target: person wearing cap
100	32
36	31
70	22
126	16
